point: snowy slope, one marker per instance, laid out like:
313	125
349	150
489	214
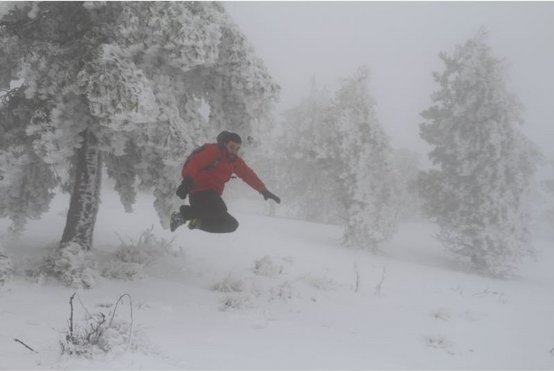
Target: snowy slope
280	294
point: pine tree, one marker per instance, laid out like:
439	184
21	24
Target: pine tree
28	182
120	85
477	193
339	163
302	153
236	86
367	165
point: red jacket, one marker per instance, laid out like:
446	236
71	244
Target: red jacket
211	169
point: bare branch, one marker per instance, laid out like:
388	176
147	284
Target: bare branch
71	314
25	345
380	284
357	287
131	311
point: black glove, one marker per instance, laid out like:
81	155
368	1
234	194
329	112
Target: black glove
185	187
268	195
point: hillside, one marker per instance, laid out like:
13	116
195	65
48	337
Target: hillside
279	294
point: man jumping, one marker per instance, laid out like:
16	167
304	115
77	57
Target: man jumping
204	176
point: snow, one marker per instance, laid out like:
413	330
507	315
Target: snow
279	294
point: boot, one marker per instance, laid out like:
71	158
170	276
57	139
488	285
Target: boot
194	223
176	221
186	212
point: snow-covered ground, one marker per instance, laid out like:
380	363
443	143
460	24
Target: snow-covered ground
279	294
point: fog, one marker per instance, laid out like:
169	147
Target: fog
400	43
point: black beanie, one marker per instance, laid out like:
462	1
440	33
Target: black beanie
227	136
233	137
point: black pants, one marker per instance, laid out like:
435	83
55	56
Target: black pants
209	208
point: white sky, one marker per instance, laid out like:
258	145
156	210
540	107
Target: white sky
400	43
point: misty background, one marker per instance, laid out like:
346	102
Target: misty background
400	43
201	67
448	267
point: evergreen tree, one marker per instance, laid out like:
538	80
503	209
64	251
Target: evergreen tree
339	163
311	183
28	182
477	193
367	165
121	85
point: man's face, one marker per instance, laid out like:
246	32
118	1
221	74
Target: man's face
232	148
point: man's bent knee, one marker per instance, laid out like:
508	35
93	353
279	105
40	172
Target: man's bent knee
232	225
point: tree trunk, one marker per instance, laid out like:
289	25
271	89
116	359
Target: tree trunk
85	198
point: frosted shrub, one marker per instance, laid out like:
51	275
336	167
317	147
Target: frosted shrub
240	300
98	333
282	292
267	267
132	256
229	284
95	336
320	283
437	341
122	270
237	294
236	301
147	248
68	263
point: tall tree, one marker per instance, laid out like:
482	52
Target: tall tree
118	84
477	193
339	163
302	153
367	165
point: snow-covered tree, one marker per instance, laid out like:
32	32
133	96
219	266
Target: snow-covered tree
367	165
306	173
238	85
121	85
27	184
337	163
477	192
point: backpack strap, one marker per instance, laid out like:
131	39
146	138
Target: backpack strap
198	150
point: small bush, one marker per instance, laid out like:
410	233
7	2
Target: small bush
98	333
283	292
441	314
229	284
132	256
234	301
70	265
320	283
122	270
437	341
267	267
